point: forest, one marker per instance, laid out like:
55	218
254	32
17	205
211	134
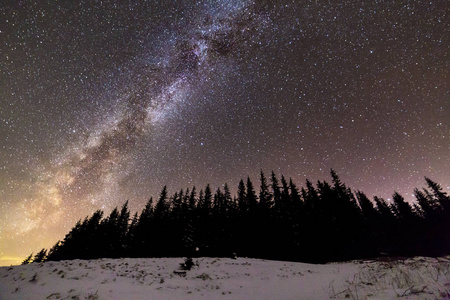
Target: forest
316	223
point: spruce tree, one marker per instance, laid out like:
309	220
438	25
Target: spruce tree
159	230
141	240
28	260
295	197
242	199
275	189
441	197
265	198
41	256
120	243
192	199
284	205
208	200
250	195
228	200
162	207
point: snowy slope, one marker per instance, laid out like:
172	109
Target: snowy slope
225	278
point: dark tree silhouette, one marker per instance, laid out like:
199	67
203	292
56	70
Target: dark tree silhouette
265	197
41	256
28	260
321	223
250	196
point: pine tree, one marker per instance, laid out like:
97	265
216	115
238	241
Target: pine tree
219	203
147	212
310	196
242	199
386	224
120	244
41	256
295	197
204	220
427	205
403	208
54	253
28	260
297	215
275	189
265	198
185	202
189	240
201	200
370	217
131	235
444	216
177	200
141	242
368	210
250	195
383	208
192	199
162	207
406	239
284	205
208	200
228	201
440	196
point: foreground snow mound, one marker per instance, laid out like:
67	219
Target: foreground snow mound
224	278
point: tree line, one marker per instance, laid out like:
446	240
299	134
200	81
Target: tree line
316	223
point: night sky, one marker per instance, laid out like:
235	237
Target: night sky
103	102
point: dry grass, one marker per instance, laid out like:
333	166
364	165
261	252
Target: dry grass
421	278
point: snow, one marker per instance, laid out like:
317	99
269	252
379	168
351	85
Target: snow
226	278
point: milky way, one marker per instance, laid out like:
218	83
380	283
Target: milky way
106	102
154	85
156	90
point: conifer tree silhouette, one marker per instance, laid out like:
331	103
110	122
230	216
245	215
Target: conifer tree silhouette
321	223
265	197
28	260
41	256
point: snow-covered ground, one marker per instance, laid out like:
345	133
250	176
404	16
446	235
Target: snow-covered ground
225	278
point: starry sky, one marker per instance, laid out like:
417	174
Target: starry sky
107	101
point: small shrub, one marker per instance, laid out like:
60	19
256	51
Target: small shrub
187	264
204	276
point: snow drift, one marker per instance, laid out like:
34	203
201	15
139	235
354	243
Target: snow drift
226	278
